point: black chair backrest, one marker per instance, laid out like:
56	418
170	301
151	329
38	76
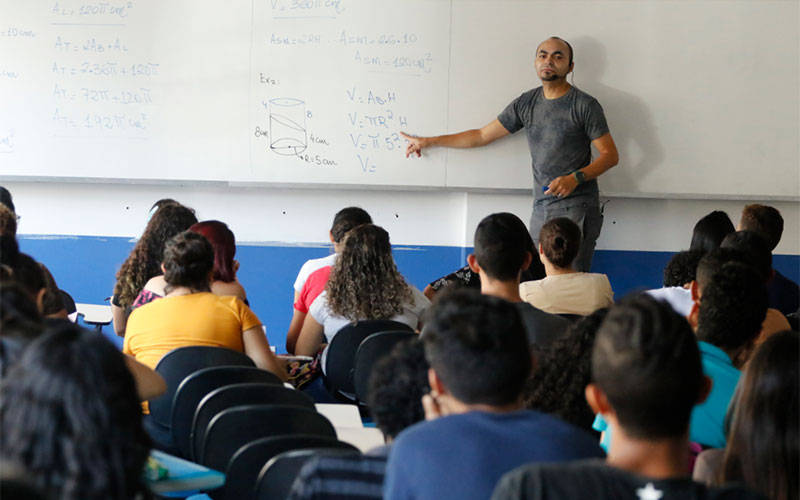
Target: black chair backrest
235	427
179	363
246	464
369	352
237	395
201	383
323	475
572	317
342	351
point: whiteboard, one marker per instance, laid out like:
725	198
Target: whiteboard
701	97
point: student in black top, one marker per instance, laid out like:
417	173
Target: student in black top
647	377
502	245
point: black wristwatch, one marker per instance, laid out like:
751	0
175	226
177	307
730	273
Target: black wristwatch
579	176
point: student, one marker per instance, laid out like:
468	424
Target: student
8	221
190	314
476	430
647	377
784	294
314	274
565	290
501	253
69	416
224	282
758	254
145	259
6	199
678	276
763	449
364	284
562	372
396	386
710	230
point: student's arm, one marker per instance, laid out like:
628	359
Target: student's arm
607	157
310	339
119	317
467	139
257	348
296	325
149	384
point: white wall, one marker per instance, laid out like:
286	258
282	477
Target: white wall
303	216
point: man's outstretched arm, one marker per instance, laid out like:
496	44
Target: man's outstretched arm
468	139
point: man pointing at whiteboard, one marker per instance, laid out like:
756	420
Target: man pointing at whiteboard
561	122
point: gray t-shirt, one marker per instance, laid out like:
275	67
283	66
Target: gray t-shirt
560	132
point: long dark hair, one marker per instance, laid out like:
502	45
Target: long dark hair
709	231
365	282
763	448
69	415
144	260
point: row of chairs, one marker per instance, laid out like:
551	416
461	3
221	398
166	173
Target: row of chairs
228	415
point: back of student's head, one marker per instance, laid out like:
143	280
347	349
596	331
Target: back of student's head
763	448
188	260
682	267
224	244
8	221
501	245
19	316
755	247
478	347
396	386
710	230
560	239
346	219
764	220
732	307
23	269
713	261
70	416
5	199
647	362
553	389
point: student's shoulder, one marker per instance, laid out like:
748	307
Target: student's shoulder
578	479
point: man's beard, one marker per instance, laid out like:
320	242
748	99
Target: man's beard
552	77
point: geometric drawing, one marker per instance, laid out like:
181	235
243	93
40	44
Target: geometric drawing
287	126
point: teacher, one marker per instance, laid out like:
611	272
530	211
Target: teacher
561	123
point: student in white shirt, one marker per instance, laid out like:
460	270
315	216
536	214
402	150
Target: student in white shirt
565	290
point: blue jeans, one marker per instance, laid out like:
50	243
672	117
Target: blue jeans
584	211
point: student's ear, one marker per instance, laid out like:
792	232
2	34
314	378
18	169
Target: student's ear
163	269
40	299
705	389
695	289
235	266
597	399
527	262
330	235
693	316
437	387
541	250
473	263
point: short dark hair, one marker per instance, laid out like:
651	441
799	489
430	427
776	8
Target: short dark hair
477	346
560	239
8	221
713	261
647	362
710	230
571	52
732	307
765	220
396	386
501	242
188	260
682	267
551	388
755	247
346	219
5	198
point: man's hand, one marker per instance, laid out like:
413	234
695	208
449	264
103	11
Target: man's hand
415	144
562	186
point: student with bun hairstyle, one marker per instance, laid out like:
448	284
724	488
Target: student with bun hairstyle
565	290
224	282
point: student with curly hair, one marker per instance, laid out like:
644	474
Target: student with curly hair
144	261
558	391
678	276
224	282
565	290
364	284
69	416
